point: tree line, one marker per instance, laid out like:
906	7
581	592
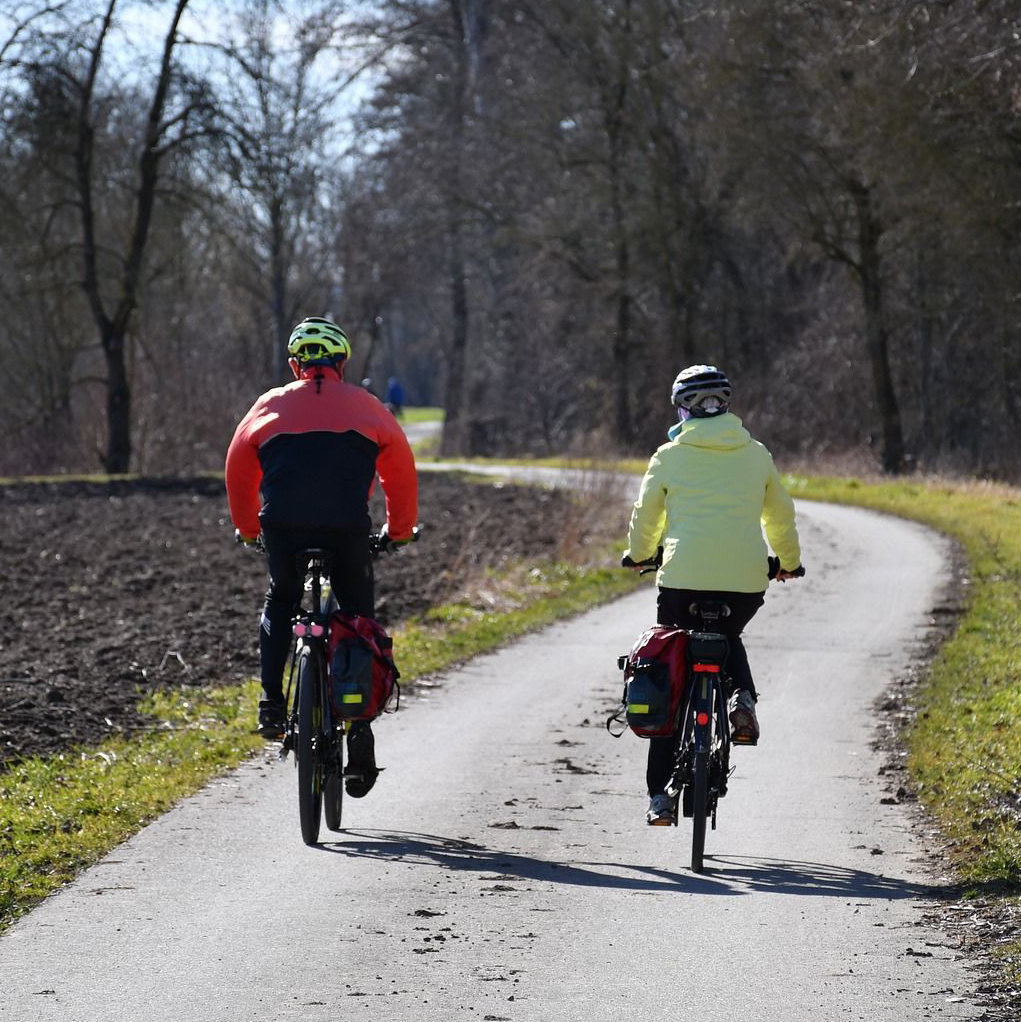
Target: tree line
531	211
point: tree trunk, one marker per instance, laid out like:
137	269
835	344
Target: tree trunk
1011	373
469	25
113	329
614	113
456	424
118	406
278	284
877	340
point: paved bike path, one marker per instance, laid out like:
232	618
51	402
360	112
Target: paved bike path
501	869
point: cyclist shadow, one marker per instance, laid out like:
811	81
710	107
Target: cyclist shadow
785	876
460	855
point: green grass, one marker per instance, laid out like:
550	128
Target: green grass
422	415
964	746
632	465
60	814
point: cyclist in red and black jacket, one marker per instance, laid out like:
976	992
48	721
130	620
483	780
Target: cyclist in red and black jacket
300	471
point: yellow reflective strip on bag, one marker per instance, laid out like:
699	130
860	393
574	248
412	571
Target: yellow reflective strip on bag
353	698
638	708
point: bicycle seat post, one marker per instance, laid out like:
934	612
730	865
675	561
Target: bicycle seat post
315	561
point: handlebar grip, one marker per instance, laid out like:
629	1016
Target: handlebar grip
381	543
774	569
649	562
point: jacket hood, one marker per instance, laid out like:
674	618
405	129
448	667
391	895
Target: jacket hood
722	432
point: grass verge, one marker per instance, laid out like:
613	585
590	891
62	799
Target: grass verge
60	814
422	414
964	744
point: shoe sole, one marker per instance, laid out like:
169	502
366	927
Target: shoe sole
661	821
743	728
358	784
361	772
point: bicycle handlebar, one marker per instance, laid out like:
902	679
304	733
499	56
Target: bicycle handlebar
649	564
652	563
381	543
251	544
774	570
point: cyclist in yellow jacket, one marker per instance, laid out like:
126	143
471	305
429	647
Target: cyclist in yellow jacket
705	498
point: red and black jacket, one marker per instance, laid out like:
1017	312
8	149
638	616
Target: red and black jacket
313	448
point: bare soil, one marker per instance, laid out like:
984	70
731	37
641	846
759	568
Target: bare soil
112	590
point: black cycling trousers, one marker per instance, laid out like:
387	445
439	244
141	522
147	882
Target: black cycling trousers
350	572
672	609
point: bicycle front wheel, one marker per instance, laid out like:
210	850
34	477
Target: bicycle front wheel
310	770
699	808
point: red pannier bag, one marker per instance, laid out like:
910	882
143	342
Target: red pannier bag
655	677
363	676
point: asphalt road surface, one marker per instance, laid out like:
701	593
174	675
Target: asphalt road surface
502	869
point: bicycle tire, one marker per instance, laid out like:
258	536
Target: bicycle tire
699	809
333	790
310	772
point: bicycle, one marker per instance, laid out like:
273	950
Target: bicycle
702	767
311	732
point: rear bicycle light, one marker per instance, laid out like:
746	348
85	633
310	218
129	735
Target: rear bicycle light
702	719
299	628
317	629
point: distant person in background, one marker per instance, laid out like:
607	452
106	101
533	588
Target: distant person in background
395	396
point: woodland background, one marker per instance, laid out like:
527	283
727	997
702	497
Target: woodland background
533	212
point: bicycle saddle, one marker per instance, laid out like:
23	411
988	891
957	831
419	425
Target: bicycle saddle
709	610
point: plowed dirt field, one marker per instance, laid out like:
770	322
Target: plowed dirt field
112	589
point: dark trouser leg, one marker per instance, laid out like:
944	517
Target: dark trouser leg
353	583
286	578
350	576
672	609
662	752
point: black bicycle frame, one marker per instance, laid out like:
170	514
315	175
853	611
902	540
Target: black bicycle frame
310	628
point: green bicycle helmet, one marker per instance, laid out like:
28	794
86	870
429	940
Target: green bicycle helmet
317	341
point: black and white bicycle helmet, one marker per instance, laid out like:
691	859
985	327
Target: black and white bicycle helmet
701	390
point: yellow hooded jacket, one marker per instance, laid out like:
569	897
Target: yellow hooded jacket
706	496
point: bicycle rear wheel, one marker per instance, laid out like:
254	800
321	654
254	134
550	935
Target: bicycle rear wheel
333	789
699	808
310	771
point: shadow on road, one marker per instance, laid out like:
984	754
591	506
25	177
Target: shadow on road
723	876
783	876
458	855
